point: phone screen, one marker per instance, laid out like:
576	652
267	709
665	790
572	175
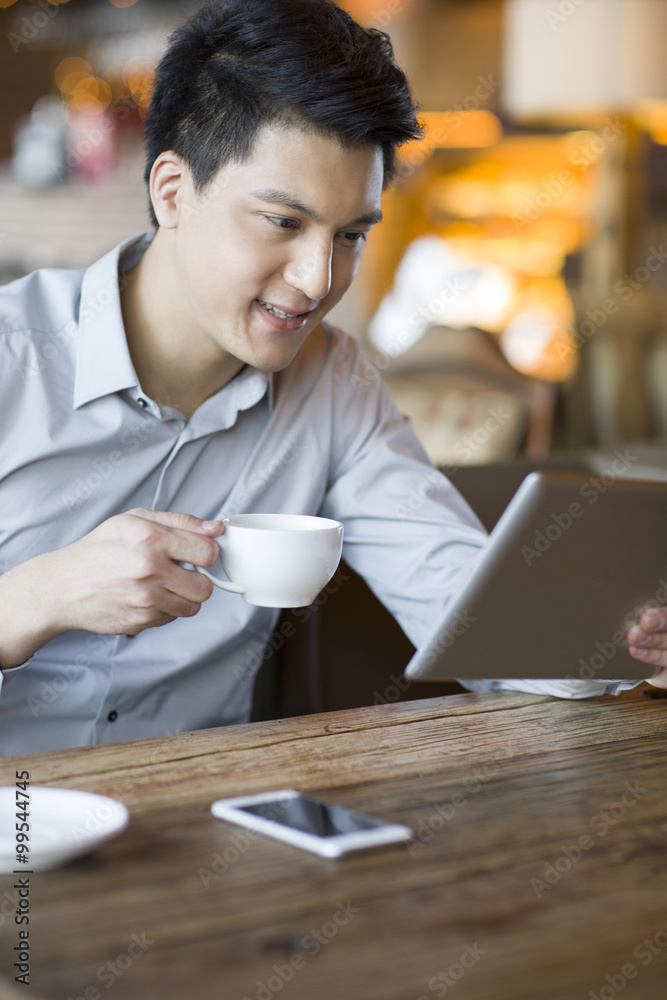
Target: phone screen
318	818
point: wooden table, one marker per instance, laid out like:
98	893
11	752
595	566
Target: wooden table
538	870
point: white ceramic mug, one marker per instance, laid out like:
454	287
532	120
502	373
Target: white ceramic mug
278	560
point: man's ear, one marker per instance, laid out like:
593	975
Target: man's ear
166	186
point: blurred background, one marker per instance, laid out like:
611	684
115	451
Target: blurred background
516	295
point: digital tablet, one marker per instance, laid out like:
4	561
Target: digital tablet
571	563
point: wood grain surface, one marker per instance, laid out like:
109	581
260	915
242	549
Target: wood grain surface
494	898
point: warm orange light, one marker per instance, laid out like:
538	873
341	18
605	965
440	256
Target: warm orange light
538	340
452	130
652	116
138	75
71	65
123	3
135	69
91	95
70	82
375	13
457	129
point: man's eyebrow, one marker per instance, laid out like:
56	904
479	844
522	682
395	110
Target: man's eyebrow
279	197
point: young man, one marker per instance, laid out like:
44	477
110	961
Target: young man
190	370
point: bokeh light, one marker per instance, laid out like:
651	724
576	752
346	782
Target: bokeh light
91	95
71	64
69	84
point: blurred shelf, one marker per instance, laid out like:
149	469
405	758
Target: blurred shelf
68	225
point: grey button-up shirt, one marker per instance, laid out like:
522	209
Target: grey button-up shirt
81	442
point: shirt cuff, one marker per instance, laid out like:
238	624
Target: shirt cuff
556	688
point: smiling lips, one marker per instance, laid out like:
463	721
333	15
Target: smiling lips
280	313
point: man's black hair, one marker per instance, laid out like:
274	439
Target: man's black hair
238	65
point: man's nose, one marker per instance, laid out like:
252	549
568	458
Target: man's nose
310	272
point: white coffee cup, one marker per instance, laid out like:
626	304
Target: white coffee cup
278	560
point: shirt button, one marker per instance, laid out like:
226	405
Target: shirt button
113	715
142	402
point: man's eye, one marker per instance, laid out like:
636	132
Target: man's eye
355	237
283	223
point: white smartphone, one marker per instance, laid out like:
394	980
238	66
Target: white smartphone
319	827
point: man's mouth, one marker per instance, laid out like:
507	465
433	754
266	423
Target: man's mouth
279	312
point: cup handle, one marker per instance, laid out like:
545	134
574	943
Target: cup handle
233	588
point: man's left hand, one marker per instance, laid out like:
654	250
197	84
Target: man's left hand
647	642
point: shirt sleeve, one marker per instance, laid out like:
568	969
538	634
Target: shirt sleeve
8	672
408	531
559	689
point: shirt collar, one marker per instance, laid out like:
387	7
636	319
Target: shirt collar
103	362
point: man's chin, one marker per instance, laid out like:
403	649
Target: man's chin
273	359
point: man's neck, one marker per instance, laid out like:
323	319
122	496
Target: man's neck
161	338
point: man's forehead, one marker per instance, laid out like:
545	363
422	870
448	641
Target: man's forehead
311	173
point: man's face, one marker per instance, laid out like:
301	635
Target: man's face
273	244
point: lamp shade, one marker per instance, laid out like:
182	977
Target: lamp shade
581	58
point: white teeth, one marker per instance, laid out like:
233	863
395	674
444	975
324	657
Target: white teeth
277	312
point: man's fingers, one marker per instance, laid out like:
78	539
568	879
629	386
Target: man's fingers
178	606
648	640
654	620
660	680
191	586
185	522
184	544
